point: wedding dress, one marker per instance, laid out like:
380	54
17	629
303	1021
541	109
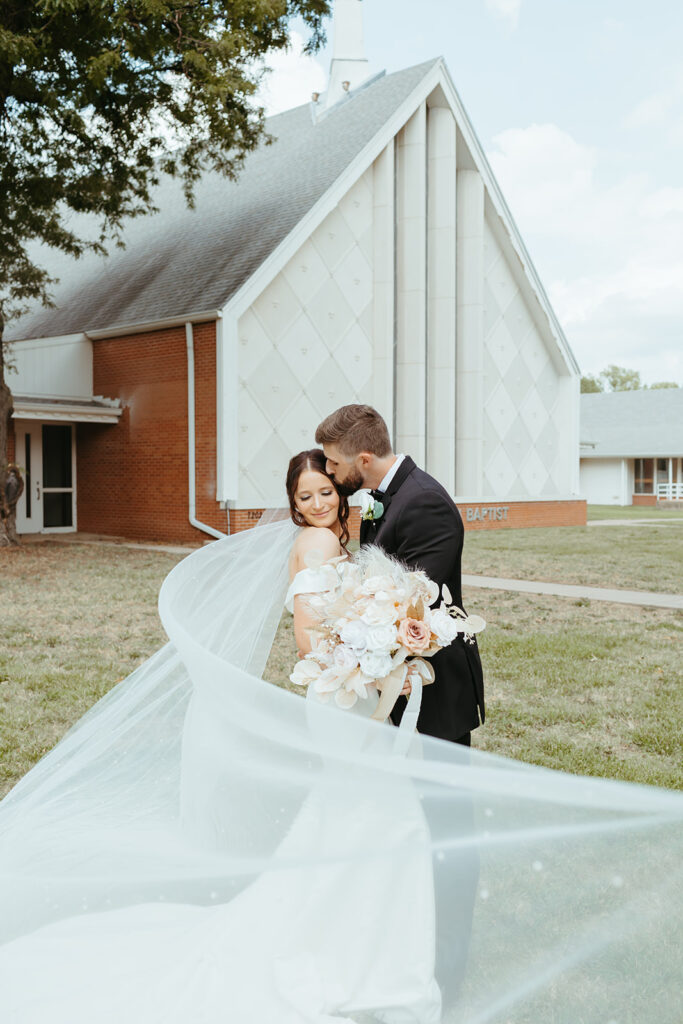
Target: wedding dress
204	847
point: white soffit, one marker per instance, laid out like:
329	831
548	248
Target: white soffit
66	410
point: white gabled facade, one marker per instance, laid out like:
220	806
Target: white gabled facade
408	287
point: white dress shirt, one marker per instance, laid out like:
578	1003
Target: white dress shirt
391	474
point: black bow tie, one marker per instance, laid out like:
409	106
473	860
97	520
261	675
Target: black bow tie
378	495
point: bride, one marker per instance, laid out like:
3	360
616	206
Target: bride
205	847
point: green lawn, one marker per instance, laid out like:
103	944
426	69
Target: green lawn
596	512
627	557
587	687
77	619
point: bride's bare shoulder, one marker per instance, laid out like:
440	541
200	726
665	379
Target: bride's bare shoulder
316	539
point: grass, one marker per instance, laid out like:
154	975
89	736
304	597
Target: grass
628	557
590	688
77	619
597	512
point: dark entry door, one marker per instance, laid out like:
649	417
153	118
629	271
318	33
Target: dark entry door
58	484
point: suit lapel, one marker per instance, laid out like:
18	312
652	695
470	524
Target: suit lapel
402	474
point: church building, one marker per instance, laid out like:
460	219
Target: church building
366	255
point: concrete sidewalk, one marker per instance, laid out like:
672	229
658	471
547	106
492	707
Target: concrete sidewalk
104	541
639	597
634	522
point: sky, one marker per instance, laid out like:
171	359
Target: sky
578	105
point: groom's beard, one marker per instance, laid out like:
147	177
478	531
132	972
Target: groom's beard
353	483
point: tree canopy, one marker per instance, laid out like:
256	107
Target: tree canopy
618	378
591	385
98	98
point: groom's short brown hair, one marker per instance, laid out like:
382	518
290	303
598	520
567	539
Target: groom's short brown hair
354	429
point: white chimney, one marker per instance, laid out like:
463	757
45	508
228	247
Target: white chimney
349	67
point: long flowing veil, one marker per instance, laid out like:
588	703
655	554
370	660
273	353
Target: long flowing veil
556	898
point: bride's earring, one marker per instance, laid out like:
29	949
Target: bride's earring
298	518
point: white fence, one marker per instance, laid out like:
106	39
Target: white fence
669	492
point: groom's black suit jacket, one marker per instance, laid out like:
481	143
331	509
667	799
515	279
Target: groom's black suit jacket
421	526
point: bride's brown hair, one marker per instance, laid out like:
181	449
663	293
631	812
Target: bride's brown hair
315	460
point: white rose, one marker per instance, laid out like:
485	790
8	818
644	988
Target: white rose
355	635
377	583
367	502
444	627
382	638
376	665
379	613
345	658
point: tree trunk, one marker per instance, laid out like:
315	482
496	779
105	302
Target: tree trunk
8	529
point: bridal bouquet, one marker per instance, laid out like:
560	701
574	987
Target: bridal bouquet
376	628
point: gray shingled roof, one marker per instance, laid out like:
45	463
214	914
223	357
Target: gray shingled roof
633	424
182	261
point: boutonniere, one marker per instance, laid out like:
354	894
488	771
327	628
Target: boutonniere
371	508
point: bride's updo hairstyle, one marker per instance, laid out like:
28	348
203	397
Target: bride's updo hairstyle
314	460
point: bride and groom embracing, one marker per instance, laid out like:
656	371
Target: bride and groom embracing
411	517
203	846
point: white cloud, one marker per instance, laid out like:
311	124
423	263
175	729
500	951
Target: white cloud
610	253
292	77
662	111
508	10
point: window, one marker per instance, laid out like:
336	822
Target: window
27	473
644	471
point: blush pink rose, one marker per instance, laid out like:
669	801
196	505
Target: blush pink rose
415	635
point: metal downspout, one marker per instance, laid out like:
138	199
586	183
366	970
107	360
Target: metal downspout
189	339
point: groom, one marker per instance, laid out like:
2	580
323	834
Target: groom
412	517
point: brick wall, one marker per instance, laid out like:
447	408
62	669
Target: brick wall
644	499
132	477
515	515
512	515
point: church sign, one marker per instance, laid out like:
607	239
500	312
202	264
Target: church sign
480	513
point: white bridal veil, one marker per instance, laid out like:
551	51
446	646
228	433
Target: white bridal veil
204	846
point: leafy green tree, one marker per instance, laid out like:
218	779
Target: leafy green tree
618	378
663	384
91	92
591	385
